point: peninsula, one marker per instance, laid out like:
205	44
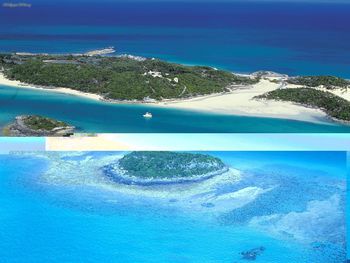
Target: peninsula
148	168
335	106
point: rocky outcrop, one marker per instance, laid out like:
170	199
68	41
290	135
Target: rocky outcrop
268	74
21	127
252	253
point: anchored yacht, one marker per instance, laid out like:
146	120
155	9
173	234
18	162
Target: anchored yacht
147	115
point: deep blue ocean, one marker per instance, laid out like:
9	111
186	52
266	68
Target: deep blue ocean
48	215
292	38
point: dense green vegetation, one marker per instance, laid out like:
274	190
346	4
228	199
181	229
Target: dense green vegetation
169	164
35	122
119	78
333	105
329	82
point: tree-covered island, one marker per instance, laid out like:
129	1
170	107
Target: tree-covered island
136	79
34	125
119	78
163	167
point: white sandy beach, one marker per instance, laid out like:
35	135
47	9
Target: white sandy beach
14	83
241	102
237	102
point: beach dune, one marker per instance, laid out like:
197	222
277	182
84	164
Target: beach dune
241	101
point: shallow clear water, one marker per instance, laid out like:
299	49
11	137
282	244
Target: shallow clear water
348	205
44	222
94	116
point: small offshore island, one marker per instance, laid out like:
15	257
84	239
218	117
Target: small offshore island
152	168
271	195
33	125
133	79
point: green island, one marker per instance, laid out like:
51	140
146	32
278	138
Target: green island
164	165
34	125
329	82
119	78
333	105
36	122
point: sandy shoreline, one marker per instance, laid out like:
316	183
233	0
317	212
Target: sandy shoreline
17	84
240	102
237	102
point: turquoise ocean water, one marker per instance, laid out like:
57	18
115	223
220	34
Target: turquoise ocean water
67	219
93	116
292	38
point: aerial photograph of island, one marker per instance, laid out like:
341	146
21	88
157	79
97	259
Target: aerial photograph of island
144	206
194	66
174	131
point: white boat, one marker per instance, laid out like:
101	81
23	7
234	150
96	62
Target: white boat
147	115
